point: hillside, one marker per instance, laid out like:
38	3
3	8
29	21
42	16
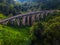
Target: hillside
14	7
39	23
14	35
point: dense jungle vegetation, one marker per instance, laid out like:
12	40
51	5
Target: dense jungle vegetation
43	32
11	7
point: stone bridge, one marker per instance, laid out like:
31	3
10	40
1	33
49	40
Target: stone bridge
27	19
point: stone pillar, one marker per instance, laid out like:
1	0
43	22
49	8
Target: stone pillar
33	19
5	23
15	22
47	13
24	20
42	15
29	20
11	22
38	16
18	21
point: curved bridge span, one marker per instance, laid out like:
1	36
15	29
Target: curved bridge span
27	19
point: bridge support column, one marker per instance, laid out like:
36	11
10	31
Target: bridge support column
33	19
47	13
5	23
38	16
42	15
29	20
12	22
24	20
18	21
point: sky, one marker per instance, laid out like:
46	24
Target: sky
20	0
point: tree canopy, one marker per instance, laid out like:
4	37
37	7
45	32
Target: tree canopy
46	33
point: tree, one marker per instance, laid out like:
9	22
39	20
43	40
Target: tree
52	34
9	7
46	33
37	33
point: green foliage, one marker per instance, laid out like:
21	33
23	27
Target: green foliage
42	33
51	16
52	34
2	16
54	20
37	33
48	32
11	7
14	35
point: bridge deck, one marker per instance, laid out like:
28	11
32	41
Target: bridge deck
31	13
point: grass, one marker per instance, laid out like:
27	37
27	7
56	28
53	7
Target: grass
14	35
10	35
